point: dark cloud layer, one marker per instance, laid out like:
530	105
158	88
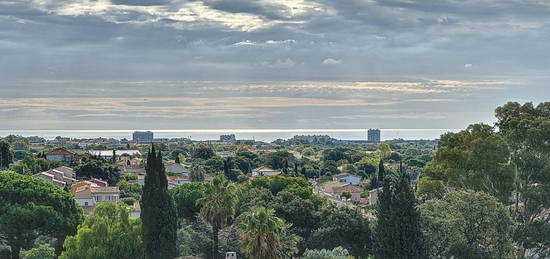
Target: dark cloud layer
107	44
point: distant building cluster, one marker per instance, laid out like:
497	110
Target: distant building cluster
373	136
144	137
228	138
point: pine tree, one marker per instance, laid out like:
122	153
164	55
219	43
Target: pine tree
158	213
398	232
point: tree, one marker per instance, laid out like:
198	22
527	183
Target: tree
278	159
343	227
336	253
476	158
527	131
384	150
218	207
197	173
381	171
107	233
185	197
194	238
467	224
346	195
43	251
30	207
97	167
262	233
129	189
158	213
6	156
398	233
203	151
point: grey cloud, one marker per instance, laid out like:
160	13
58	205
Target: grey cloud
141	2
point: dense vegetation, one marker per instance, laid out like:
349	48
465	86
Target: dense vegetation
479	193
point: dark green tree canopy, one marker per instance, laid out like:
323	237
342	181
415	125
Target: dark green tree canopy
30	206
158	212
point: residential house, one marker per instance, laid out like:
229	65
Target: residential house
328	187
347	178
355	191
60	154
176	168
108	154
265	171
177	180
87	194
60	176
373	195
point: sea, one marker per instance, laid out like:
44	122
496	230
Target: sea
266	135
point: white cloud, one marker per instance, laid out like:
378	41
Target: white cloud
331	61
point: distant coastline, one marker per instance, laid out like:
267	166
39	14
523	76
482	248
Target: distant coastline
267	135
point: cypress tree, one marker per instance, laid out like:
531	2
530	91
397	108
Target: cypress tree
381	172
6	157
398	232
113	159
177	160
158	213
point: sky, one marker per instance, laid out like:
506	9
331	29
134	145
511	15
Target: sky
214	64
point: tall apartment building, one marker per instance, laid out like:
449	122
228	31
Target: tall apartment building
373	136
142	137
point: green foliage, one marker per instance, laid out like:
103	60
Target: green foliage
129	189
476	158
343	227
278	159
107	233
384	150
349	169
397	232
278	183
527	130
44	251
129	177
97	167
218	205
194	238
158	212
203	151
185	197
6	155
346	195
31	165
336	253
467	224
30	207
263	233
197	173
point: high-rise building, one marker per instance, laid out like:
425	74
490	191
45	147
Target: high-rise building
228	138
142	136
374	136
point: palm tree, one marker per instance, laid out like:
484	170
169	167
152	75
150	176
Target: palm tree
218	207
262	234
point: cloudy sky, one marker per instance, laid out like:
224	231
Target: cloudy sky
176	64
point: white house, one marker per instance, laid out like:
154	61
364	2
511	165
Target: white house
107	154
265	171
59	176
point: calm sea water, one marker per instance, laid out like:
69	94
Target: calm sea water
267	135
